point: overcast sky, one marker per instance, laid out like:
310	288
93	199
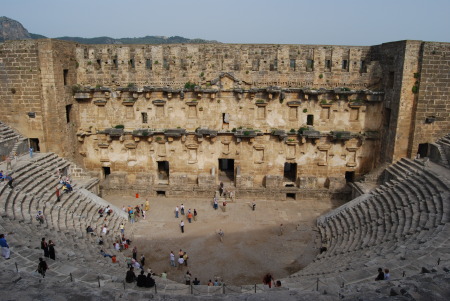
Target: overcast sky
334	22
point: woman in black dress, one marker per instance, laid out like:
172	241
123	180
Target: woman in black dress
44	246
51	249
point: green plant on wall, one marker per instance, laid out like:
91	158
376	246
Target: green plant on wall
305	110
119	126
321	76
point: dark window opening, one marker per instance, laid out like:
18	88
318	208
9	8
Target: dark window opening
424	150
163	170
144	117
292	64
132	63
290	172
349	176
148	64
160	193
387	117
289	185
309	65
344	64
391	80
34	143
310	120
226	117
226	170
65	76
68	109
115	63
290	196
99	63
106	171
328	65
363	67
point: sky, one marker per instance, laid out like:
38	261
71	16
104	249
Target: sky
330	22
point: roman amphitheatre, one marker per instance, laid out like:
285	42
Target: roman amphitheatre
347	147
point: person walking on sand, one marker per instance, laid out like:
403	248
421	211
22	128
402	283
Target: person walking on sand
176	211
189	216
281	230
182	226
147	205
221	235
172	259
195	215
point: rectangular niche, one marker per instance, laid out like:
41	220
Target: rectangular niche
291	150
293	113
192	111
159	112
101	112
261	112
325	113
130	112
192	156
354	114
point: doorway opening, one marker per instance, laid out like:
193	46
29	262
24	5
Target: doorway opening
424	150
106	171
226	170
350	176
160	193
34	143
290	172
163	170
290	196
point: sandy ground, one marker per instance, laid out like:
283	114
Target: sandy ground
251	247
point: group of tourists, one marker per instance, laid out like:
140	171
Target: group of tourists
6	177
49	248
386	275
135	213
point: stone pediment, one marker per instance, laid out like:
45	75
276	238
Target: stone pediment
227	81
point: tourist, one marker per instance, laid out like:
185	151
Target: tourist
135	253
42	267
267	280
51	250
253	206
131	276
221	235
105	230
141	279
231	196
224	206
1	176
185	258
10	181
196	281
116	246
180	253
195	215
57	193
8	163
5	247
180	263
124	209
176	211
164	275
182	226
100	240
216	204
281	230
182	209
136	264
142	260
31	152
122	228
216	282
220	188
40	217
143	213
172	259
150	282
147	205
278	283
380	275
187	278
104	254
387	275
210	283
132	216
44	246
189	216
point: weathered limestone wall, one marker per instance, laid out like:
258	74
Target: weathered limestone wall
257	65
20	88
433	97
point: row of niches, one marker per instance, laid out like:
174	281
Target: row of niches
260	95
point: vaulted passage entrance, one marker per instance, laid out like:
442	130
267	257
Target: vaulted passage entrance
290	172
163	170
226	170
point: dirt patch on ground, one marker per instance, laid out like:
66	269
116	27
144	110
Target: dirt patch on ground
252	244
